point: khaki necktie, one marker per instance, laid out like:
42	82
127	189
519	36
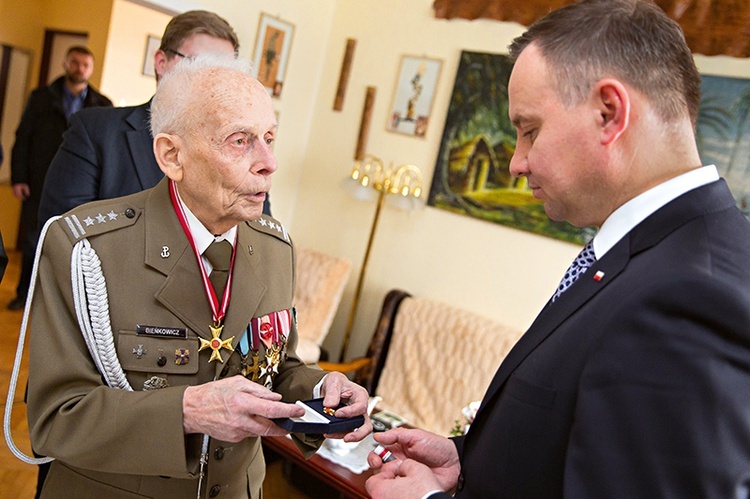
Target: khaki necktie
219	254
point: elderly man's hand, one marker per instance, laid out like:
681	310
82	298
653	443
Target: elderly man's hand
234	408
338	388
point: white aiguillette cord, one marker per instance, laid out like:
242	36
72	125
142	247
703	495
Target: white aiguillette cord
92	311
17	363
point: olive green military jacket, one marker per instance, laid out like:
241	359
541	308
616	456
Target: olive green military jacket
114	443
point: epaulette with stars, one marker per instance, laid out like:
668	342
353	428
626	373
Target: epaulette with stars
96	218
270	226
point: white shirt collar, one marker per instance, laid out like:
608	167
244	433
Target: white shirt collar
201	235
630	214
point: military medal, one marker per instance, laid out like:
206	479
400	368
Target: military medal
273	356
251	369
216	343
218	309
269	332
254	370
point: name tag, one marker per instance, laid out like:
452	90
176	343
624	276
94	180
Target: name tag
161	331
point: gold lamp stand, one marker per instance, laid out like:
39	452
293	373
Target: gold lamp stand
403	180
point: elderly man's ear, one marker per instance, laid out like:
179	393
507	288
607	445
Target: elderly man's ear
167	154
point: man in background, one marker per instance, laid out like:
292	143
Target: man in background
108	153
38	136
633	380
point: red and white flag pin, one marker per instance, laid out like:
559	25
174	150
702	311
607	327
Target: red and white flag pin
598	276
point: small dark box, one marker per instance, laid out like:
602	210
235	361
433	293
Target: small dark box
334	425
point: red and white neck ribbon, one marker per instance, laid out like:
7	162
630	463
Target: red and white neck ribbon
218	310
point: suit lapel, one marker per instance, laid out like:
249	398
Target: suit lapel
698	202
182	292
169	252
140	144
56	92
552	315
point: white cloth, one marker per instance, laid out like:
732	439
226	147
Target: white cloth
352	456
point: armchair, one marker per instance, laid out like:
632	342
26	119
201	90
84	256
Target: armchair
320	283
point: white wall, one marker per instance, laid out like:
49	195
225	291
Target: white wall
502	273
304	74
122	77
15	100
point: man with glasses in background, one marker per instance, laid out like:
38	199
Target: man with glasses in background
109	154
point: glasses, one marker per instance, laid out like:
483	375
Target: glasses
178	54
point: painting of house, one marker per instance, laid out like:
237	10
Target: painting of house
471	174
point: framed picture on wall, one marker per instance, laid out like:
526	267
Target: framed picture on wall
273	43
152	45
415	92
723	132
472	175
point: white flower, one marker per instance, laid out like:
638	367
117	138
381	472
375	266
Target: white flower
470	411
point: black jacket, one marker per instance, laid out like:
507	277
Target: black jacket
38	136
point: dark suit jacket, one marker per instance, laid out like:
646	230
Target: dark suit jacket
105	154
634	385
38	136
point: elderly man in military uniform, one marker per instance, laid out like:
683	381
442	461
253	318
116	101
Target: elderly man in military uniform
156	365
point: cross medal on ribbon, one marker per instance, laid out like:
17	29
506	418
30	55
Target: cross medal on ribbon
216	343
218	310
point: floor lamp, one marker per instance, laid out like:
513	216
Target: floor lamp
404	181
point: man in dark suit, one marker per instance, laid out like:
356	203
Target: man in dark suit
39	134
633	380
109	153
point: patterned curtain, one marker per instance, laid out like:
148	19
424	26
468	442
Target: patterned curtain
712	27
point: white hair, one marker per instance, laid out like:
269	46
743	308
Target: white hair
170	105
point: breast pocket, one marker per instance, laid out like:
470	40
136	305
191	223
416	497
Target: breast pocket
161	356
525	391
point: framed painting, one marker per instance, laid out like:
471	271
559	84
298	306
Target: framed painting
415	91
472	175
273	43
723	132
152	45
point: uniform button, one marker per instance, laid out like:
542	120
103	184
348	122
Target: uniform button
130	213
219	453
224	372
215	491
161	361
461	480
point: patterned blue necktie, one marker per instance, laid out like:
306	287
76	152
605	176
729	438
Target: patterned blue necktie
582	262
